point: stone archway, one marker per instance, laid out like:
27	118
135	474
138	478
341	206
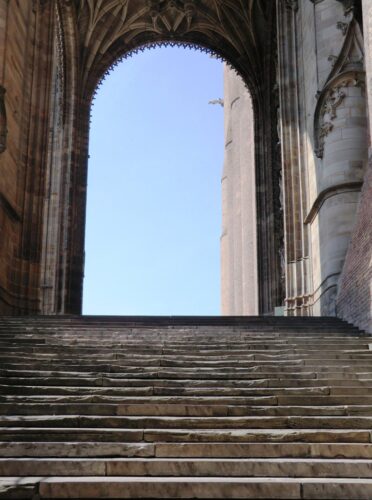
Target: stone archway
307	65
91	36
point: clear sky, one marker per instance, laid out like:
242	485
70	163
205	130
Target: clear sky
154	187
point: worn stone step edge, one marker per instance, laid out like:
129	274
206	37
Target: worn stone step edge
193	423
110	409
187	487
96	449
181	435
211	467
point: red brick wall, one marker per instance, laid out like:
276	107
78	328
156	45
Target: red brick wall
354	301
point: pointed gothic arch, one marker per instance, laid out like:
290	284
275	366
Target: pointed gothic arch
92	37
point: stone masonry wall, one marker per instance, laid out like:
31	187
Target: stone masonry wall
354	301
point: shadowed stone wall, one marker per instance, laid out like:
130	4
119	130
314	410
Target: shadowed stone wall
25	62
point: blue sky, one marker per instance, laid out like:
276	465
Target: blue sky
154	187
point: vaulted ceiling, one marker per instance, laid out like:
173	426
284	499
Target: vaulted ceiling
237	30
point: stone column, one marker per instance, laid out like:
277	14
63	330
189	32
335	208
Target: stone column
294	183
239	235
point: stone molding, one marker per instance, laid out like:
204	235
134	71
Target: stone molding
3	120
296	253
345	187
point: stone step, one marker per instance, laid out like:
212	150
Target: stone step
46	434
231	364
253	435
192	377
127	400
107	381
181	435
149	409
98	449
242	325
275	488
283	400
186	487
230	340
249	450
208	467
188	351
184	408
219	362
202	422
192	352
179	391
200	372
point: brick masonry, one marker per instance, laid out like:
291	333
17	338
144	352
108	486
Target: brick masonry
354	301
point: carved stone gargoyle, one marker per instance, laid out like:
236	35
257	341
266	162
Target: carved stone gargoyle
3	122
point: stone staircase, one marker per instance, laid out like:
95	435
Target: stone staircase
274	408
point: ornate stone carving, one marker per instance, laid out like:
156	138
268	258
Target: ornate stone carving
347	70
326	111
110	30
171	16
342	27
60	70
3	120
333	101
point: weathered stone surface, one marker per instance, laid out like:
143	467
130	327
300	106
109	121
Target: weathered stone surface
279	431
169	488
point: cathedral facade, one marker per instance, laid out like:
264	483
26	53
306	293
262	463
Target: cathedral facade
297	180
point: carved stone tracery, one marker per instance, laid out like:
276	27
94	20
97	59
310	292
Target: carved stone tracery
170	16
112	29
